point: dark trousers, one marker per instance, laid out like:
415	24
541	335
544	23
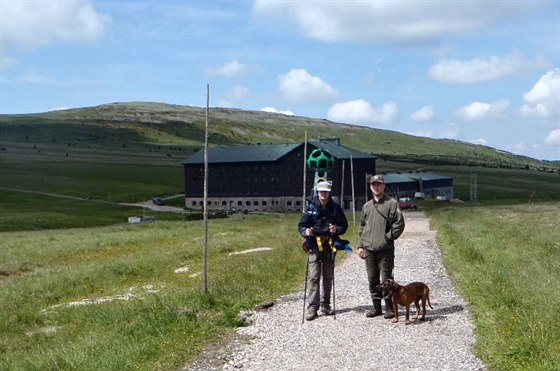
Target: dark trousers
320	264
379	266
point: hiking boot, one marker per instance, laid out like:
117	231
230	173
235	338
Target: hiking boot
311	314
389	313
373	312
327	310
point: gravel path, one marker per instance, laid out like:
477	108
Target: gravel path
277	340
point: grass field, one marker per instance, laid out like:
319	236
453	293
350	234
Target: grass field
109	297
167	319
506	262
68	242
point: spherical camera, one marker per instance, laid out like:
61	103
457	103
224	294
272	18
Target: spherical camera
320	160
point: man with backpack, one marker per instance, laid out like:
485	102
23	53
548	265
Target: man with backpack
321	223
381	223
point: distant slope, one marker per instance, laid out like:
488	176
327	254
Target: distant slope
160	126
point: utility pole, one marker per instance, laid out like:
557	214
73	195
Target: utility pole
304	172
206	191
474	187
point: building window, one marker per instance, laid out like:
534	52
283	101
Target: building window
264	203
193	203
239	203
247	203
256	203
289	203
224	203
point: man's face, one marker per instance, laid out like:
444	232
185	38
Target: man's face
377	188
324	196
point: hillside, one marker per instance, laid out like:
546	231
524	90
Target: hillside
154	131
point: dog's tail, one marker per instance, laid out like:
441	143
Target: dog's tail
428	299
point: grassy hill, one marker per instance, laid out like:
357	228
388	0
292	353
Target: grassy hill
149	130
73	168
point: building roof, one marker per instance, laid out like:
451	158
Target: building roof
340	152
413	177
269	152
243	153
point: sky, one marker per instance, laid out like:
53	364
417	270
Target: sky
485	72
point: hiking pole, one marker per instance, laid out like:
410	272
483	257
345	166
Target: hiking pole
333	286
305	290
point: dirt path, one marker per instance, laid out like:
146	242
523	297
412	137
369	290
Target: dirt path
278	340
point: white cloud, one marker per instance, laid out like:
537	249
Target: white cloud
519	147
230	70
553	138
450	132
424	114
455	71
6	62
299	85
37	23
392	21
421	133
482	141
239	92
362	113
274	110
40	80
477	111
543	99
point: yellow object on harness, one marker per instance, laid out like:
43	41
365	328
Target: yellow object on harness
320	242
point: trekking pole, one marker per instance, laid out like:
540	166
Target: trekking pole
333	287
305	290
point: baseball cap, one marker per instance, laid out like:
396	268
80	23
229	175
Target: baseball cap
377	179
324	186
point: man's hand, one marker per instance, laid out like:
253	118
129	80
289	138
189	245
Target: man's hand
361	252
332	228
309	232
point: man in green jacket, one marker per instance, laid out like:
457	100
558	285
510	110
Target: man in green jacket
381	223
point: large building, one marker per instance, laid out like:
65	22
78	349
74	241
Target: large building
269	177
415	184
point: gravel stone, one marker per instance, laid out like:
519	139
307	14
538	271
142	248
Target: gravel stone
277	339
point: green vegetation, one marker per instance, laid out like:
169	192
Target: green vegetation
167	319
28	211
506	262
179	130
65	238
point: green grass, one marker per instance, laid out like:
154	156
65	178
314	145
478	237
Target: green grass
506	262
25	211
109	181
158	330
144	125
98	186
504	257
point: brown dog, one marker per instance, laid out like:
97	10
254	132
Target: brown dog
405	295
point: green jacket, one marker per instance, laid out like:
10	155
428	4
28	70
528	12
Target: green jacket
381	223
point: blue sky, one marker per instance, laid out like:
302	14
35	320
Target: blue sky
485	72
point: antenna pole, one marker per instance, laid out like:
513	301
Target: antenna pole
304	172
206	191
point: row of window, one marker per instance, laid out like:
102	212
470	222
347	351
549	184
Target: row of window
246	203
